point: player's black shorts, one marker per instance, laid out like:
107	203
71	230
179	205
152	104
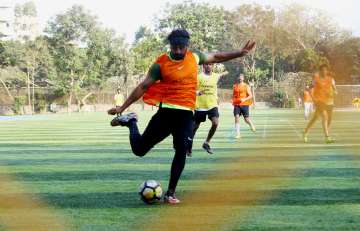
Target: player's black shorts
320	107
200	116
241	110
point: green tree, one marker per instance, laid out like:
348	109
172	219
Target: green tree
251	21
67	32
206	23
85	54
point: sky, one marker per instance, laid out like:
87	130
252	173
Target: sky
126	16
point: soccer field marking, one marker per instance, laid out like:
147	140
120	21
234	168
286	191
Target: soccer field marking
265	127
121	213
294	128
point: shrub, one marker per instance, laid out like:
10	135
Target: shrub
40	105
19	102
278	98
291	103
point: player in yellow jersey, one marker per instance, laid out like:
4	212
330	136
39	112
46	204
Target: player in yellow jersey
118	98
207	103
324	89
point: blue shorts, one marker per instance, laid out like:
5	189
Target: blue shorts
241	110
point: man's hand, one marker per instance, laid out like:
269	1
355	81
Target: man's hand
115	110
134	96
248	47
242	100
200	93
219	57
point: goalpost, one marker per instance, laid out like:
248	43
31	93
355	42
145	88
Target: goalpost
346	94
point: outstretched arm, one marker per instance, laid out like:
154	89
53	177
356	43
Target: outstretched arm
134	96
219	57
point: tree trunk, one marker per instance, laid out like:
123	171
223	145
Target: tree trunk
273	72
33	94
28	88
83	100
69	101
71	90
7	89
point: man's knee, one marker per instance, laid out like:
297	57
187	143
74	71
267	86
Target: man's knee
181	147
215	124
140	151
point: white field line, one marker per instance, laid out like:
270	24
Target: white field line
265	127
294	128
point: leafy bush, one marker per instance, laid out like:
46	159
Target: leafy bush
40	105
291	103
19	102
278	98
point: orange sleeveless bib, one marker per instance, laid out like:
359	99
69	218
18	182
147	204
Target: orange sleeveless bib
323	92
178	82
307	97
240	92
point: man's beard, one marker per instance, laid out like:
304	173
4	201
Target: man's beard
177	56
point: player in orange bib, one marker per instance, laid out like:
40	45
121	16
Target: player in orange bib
308	102
242	99
171	85
324	90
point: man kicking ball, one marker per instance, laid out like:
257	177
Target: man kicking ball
171	85
242	99
324	89
207	103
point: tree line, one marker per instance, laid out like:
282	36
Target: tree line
76	55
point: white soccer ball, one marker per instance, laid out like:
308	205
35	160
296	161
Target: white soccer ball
150	191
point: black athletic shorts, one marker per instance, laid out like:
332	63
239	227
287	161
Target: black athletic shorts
200	116
241	110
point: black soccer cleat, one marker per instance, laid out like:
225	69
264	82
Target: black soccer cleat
207	148
124	120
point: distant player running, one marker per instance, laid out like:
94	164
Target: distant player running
171	85
118	98
207	103
242	99
308	102
324	89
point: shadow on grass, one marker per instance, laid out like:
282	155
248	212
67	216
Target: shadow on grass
187	174
152	159
93	200
299	197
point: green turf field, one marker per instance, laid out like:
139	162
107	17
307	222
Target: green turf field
84	169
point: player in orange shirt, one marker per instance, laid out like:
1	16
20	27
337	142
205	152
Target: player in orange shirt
324	90
171	85
242	99
308	102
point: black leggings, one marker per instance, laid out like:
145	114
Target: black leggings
178	123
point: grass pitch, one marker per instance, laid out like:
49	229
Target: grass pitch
84	170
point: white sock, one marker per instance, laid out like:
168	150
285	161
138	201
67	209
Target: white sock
237	128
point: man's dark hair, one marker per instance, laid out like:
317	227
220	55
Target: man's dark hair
324	66
179	37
